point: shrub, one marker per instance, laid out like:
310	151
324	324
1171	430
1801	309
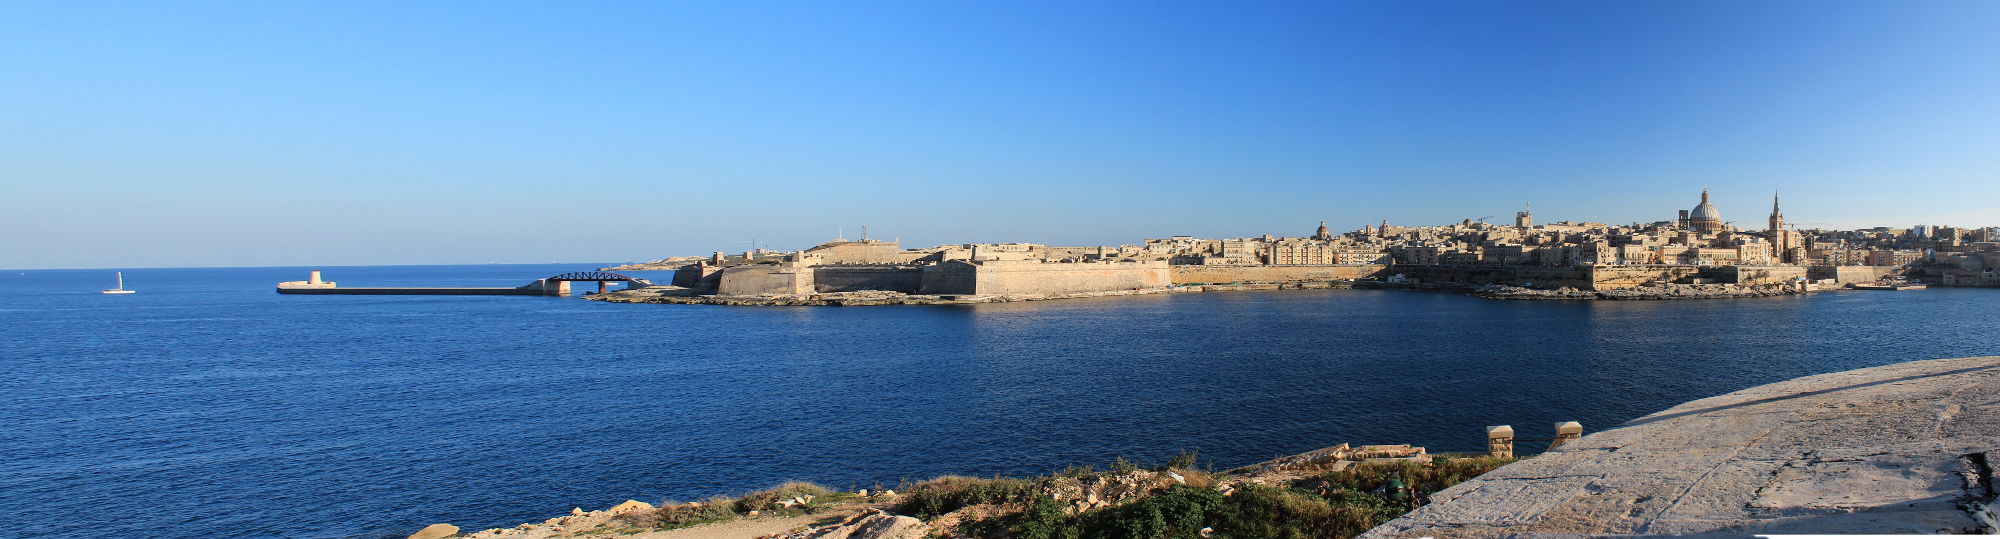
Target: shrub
680	516
1335	504
766	500
950	493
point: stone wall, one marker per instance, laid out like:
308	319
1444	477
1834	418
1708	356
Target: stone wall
1540	276
698	276
1271	274
1851	274
1032	278
1580	277
1035	278
857	252
766	279
905	279
954	277
1754	274
1634	275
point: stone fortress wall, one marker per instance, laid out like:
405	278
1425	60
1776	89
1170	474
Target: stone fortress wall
1851	274
755	279
905	279
957	277
1032	278
1183	275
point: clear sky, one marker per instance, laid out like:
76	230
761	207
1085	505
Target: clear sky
153	134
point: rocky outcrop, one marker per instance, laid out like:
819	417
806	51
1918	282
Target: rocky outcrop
1094	491
1898	449
435	531
1336	458
870	524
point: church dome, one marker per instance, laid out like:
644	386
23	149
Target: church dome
1705	211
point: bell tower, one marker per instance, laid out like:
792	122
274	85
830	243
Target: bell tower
1781	244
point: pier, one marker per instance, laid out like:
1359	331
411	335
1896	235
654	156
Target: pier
552	286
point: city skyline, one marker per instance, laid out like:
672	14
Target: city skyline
238	134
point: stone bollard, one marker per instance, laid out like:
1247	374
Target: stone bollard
1566	432
1500	441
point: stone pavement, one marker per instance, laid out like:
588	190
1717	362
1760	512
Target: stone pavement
1897	449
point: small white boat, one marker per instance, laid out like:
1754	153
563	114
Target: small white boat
121	286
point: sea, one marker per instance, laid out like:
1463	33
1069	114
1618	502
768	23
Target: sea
206	405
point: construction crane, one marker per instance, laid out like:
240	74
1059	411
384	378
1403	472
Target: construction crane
1482	220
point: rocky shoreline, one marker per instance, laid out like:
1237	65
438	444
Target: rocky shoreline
964	507
690	296
1656	292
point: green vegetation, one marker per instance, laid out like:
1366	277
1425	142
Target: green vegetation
674	515
767	500
929	499
720	508
1332	504
1176	506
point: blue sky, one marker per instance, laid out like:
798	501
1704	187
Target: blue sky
231	134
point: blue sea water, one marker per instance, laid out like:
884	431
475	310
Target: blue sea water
208	406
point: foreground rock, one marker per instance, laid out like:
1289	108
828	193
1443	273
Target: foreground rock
1666	291
1898	449
435	531
870	524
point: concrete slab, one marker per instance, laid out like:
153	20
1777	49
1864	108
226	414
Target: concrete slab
1897	449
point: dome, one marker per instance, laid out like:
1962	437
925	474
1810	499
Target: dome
1705	211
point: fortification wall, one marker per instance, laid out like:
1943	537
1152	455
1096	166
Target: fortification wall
1754	274
950	278
698	276
905	279
1629	276
1030	278
765	279
858	252
1271	274
1852	274
1540	276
